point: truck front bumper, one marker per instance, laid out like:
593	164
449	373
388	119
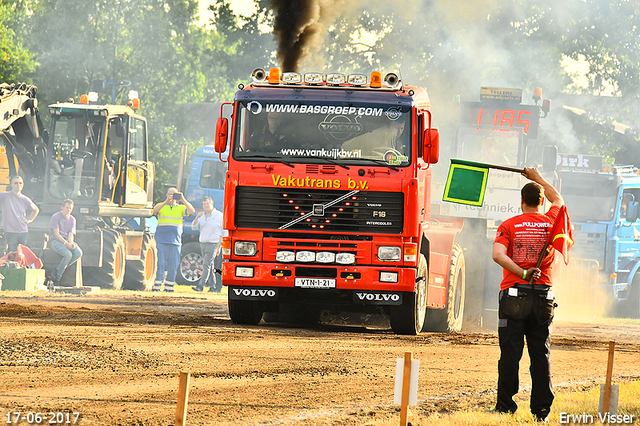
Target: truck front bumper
377	278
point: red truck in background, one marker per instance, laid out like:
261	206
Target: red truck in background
327	203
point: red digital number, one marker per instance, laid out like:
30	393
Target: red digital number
520	120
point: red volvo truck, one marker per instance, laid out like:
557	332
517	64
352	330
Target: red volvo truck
327	203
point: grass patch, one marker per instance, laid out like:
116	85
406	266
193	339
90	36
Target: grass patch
573	403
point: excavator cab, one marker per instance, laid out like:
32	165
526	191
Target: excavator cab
98	157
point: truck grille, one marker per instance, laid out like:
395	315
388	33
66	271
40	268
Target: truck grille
316	210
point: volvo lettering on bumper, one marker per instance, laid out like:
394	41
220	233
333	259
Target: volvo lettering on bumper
377	297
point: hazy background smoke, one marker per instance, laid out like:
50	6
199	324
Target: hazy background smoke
300	27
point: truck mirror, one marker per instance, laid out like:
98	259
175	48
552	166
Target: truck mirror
632	211
431	151
221	135
549	158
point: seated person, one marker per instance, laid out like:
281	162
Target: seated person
626	199
380	140
490	153
268	137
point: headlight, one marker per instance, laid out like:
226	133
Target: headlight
244	271
245	248
388	277
346	258
326	257
305	256
285	256
389	253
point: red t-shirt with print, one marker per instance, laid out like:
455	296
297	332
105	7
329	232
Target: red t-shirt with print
524	236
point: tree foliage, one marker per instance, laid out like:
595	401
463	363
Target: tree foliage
450	46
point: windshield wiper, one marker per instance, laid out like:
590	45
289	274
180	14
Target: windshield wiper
381	163
270	157
328	160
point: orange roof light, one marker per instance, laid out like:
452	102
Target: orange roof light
537	93
134	103
376	79
274	76
84	99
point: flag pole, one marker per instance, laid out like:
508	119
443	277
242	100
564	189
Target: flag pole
543	254
505	168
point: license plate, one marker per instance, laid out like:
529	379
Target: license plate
315	282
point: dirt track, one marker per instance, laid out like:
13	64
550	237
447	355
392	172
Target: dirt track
115	359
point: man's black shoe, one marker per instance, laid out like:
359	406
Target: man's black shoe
196	288
541	418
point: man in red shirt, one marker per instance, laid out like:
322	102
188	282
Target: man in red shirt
526	299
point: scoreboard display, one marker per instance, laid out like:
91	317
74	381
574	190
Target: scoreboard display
502	116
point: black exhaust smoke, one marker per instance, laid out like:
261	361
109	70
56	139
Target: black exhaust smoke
298	28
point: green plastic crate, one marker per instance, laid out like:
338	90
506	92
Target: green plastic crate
22	279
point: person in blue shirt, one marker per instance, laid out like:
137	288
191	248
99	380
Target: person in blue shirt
209	223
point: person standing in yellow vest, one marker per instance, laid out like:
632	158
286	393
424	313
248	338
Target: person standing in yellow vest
169	237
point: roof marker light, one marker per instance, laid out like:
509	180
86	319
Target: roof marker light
336	79
291	78
258	75
357	79
84	99
391	79
274	76
376	79
313	78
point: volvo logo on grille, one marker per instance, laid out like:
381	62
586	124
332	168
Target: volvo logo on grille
318	209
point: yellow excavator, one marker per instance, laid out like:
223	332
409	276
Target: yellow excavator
97	156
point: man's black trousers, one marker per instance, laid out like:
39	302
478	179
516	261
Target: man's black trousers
527	315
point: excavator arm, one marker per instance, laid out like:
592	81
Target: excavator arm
21	134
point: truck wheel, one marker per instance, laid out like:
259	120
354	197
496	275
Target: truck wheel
408	318
245	311
140	274
190	268
449	320
111	274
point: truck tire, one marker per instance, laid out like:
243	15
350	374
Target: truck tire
408	318
190	267
449	319
111	274
245	312
140	274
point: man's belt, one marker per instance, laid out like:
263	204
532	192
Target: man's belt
536	287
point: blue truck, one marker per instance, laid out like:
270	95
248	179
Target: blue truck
206	178
603	205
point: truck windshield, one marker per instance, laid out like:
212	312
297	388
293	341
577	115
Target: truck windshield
589	197
75	156
300	133
488	146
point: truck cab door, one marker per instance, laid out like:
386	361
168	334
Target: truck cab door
137	169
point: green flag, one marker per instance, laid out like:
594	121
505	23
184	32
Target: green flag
466	182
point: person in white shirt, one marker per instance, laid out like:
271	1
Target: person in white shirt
209	223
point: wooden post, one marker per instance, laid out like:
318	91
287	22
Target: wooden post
607	385
183	398
406	381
